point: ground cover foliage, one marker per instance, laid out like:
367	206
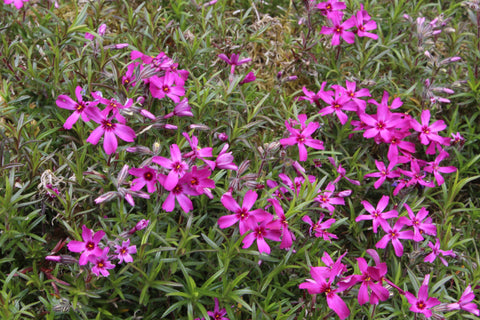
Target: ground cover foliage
239	159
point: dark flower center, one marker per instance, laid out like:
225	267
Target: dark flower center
148	176
90	245
107	125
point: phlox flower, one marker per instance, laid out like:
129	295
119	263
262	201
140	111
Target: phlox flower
142	224
422	303
178	192
351	92
420	222
320	228
182	109
146	176
328	198
416	175
225	159
436	252
428	133
267	229
164	86
338	29
337	104
302	137
113	106
111	131
383	173
465	302
17	3
80	107
217	313
198	182
434	167
176	165
364	24
382	124
160	62
129	79
101	264
377	215
89	245
342	173
233	61
287	236
125	251
246	217
250	77
313	97
297	182
394	234
332	8
197	152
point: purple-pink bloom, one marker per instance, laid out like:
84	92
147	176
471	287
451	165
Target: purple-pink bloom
394	234
125	251
287	236
327	198
217	313
465	302
354	95
313	97
434	167
146	176
338	30
320	228
101	264
198	182
332	8
176	165
164	86
428	133
420	222
364	23
383	173
142	224
267	229
18	3
246	217
233	61
225	159
377	215
422	303
80	107
436	252
302	137
179	192
89	245
182	109
113	106
250	77
337	104
111	131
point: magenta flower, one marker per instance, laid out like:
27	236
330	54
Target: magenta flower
233	61
420	222
428	133
177	167
377	215
247	219
182	109
436	252
89	245
179	192
197	152
320	228
217	314
319	284
383	173
267	229
129	79
113	106
416	175
125	251
337	104
164	86
250	77
382	125
198	182
225	159
422	303
297	182
342	173
465	302
338	30
287	236
111	131
142	224
80	107
146	176
328	198
394	235
332	8
434	167
364	24
302	137
160	62
313	97
18	3
354	95
101	264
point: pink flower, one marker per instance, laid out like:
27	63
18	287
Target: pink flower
383	173
394	234
420	222
142	224
302	137
313	97
434	167
182	109
198	182
331	8
428	133
89	245
225	159
465	302
111	131
337	104
287	236
364	23
163	86
382	125
422	303
247	219
81	108
436	252
267	229
338	30
217	314
113	106
177	167
18	3
327	198
377	215
146	176
160	62
250	77
233	61
320	228
125	251
178	192
101	264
